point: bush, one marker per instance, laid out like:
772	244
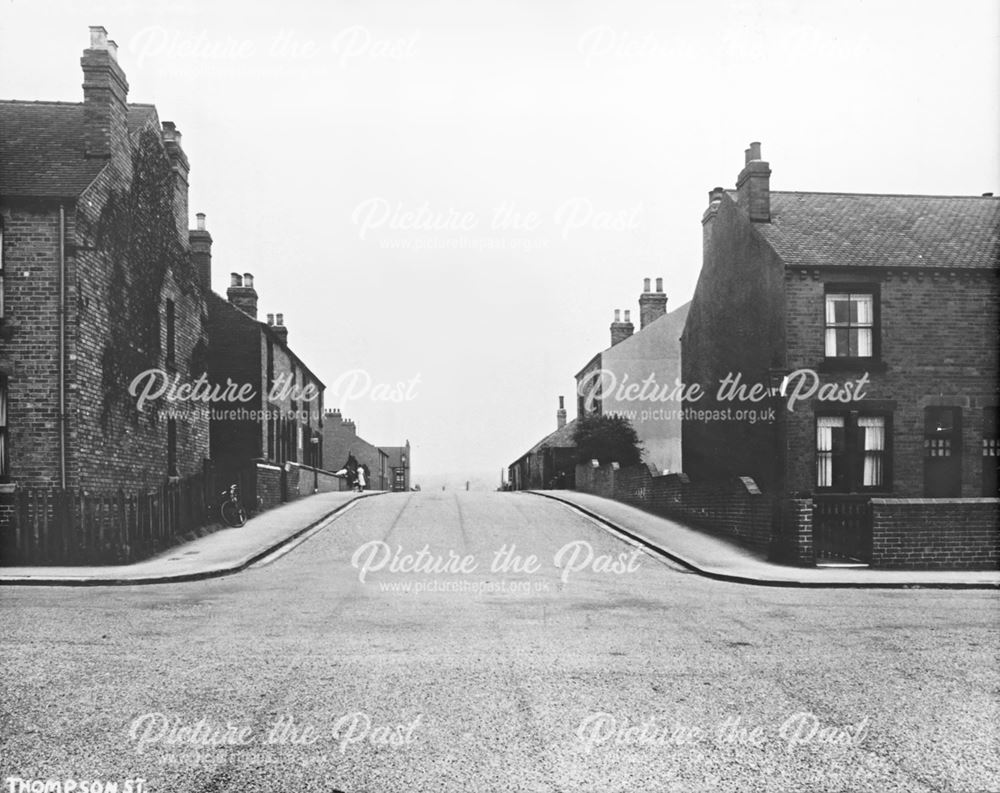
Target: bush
608	439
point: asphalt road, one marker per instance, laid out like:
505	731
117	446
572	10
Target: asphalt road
617	672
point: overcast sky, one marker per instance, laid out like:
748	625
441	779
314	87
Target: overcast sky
342	150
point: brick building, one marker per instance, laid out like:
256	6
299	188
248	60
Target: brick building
341	440
550	463
636	377
280	420
870	324
399	466
97	285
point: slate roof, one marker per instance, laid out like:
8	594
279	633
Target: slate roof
562	438
222	304
41	148
861	230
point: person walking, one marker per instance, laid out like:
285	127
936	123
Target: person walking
362	479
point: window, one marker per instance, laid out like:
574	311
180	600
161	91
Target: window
851	326
991	481
4	452
852	452
171	447
942	452
171	332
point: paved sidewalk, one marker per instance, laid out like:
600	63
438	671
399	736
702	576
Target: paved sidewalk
716	558
220	553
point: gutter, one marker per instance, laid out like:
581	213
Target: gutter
62	346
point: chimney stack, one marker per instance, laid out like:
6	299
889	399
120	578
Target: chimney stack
652	305
279	328
753	186
561	415
181	168
708	218
621	330
201	252
105	98
242	294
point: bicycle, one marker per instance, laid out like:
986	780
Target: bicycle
231	508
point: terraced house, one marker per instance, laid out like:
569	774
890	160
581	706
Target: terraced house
871	320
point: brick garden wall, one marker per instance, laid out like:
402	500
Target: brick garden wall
734	508
922	533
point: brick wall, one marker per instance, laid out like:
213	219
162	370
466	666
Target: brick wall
340	439
27	356
269	486
306	478
938	340
734	508
921	533
111	449
105	449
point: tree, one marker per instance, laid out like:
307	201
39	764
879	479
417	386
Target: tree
609	439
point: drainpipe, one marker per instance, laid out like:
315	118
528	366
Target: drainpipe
62	346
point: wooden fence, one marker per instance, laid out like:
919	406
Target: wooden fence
73	527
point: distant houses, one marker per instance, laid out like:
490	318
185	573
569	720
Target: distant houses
625	379
636	375
550	463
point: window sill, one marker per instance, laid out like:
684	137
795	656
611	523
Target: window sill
852	365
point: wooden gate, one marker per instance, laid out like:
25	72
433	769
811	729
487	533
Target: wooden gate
842	529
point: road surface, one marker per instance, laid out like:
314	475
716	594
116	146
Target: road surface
355	662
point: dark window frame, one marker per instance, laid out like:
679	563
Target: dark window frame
853	452
873	288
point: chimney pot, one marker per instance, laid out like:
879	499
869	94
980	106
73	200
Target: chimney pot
105	98
248	280
753	186
98	37
627	313
652	305
270	319
279	319
113	49
561	403
236	279
618	315
200	221
645	284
